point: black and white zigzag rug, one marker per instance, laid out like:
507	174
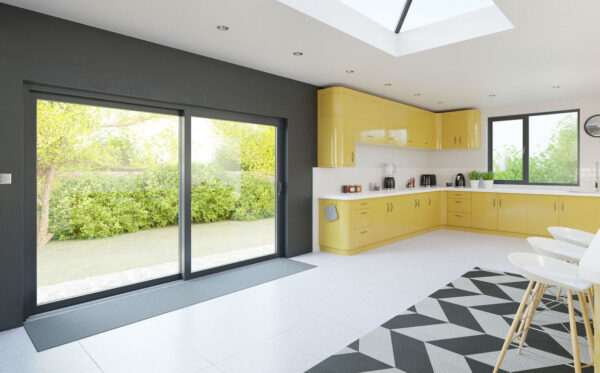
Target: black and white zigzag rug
461	328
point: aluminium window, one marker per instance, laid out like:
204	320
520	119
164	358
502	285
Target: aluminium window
539	148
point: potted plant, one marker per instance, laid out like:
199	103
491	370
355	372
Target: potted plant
488	179
474	179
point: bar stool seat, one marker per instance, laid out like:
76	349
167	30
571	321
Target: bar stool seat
557	249
573	236
543	271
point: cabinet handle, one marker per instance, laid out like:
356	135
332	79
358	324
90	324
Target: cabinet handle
363	232
500	202
494	202
563	206
363	203
352	156
460	139
392	206
458	216
364	213
415	203
454	140
369	135
429	201
457	201
554	206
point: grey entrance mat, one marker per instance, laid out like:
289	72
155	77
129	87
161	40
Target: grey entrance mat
78	323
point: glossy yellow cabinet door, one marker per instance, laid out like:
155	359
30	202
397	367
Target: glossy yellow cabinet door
432	201
597	214
461	129
484	211
578	213
335	234
542	212
512	213
336	141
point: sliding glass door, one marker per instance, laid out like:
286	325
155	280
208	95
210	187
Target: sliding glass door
125	195
233	192
107	198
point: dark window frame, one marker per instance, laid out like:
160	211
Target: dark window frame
34	91
525	129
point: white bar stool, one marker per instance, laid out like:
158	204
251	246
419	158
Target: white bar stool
561	250
573	236
543	271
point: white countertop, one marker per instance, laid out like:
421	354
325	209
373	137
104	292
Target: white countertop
400	192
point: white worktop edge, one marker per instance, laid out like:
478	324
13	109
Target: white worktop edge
401	192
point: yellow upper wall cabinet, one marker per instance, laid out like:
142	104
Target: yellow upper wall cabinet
346	116
484	211
578	213
461	129
512	213
542	212
336	141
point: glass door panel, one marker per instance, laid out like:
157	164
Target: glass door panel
233	196
107	198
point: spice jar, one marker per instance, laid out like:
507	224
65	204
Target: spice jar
351	189
345	188
358	188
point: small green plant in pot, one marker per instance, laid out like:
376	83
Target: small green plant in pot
474	177
488	179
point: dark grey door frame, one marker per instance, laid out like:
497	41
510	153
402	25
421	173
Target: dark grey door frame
33	91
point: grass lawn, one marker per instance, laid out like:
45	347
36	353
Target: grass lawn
61	261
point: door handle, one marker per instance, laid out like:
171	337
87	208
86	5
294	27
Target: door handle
415	203
429	201
352	156
457	201
392	206
494	202
555	206
563	206
388	207
364	213
454	140
500	201
363	232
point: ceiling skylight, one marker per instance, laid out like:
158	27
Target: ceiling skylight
402	27
427	12
385	12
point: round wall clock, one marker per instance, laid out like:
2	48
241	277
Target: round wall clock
592	125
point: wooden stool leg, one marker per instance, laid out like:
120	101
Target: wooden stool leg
573	327
537	297
586	322
527	310
590	294
558	293
513	327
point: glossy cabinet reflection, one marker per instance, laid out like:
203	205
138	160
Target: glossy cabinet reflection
346	117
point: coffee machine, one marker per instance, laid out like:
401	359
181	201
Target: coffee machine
460	180
389	171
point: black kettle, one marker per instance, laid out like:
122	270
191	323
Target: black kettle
460	180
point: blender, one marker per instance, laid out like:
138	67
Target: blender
389	170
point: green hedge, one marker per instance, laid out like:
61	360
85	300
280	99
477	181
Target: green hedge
98	206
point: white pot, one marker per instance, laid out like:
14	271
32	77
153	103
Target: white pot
474	184
488	184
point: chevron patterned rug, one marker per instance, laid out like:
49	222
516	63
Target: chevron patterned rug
461	328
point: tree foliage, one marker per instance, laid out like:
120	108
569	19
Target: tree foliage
556	164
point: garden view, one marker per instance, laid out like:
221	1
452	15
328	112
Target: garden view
108	196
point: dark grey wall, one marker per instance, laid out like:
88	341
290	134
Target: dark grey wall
42	49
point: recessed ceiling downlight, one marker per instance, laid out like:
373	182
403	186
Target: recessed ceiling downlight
222	28
298	54
349	71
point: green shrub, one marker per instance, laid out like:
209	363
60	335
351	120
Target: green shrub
99	206
257	199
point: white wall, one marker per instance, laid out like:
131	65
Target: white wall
447	163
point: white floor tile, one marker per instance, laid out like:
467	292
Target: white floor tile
118	343
15	343
170	356
69	358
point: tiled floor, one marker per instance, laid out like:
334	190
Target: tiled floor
287	325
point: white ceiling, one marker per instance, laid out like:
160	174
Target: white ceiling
554	42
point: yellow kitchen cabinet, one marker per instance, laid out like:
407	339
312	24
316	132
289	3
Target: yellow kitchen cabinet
512	213
336	142
597	214
578	212
402	222
431	206
459	209
461	129
484	211
335	101
336	234
542	212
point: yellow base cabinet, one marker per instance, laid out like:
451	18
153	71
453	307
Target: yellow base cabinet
542	212
577	212
459	209
597	215
484	211
512	213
